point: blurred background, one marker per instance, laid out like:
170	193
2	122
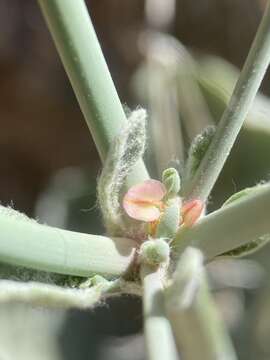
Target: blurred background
178	58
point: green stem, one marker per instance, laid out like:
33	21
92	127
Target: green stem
158	333
238	223
79	49
41	247
198	329
235	114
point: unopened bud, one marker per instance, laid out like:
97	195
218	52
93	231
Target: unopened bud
172	182
154	252
191	211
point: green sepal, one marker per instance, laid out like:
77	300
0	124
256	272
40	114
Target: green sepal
169	221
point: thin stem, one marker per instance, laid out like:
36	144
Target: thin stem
41	247
198	329
79	49
158	333
238	223
235	114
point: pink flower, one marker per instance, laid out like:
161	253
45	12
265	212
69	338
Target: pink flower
144	201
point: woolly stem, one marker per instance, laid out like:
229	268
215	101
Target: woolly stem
158	333
29	244
238	223
235	114
80	52
39	294
197	327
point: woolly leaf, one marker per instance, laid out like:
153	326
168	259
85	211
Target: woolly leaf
125	151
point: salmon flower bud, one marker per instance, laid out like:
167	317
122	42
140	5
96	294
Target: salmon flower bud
144	201
191	211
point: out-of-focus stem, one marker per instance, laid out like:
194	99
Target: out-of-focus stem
160	343
198	330
162	60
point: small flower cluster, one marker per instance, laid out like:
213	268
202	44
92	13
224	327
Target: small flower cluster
147	202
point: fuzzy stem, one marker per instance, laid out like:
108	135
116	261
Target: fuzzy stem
235	114
197	327
29	244
80	52
238	223
39	294
158	333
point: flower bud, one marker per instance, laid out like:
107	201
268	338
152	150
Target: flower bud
154	252
172	182
191	211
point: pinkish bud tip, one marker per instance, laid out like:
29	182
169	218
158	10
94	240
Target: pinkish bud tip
144	201
191	211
